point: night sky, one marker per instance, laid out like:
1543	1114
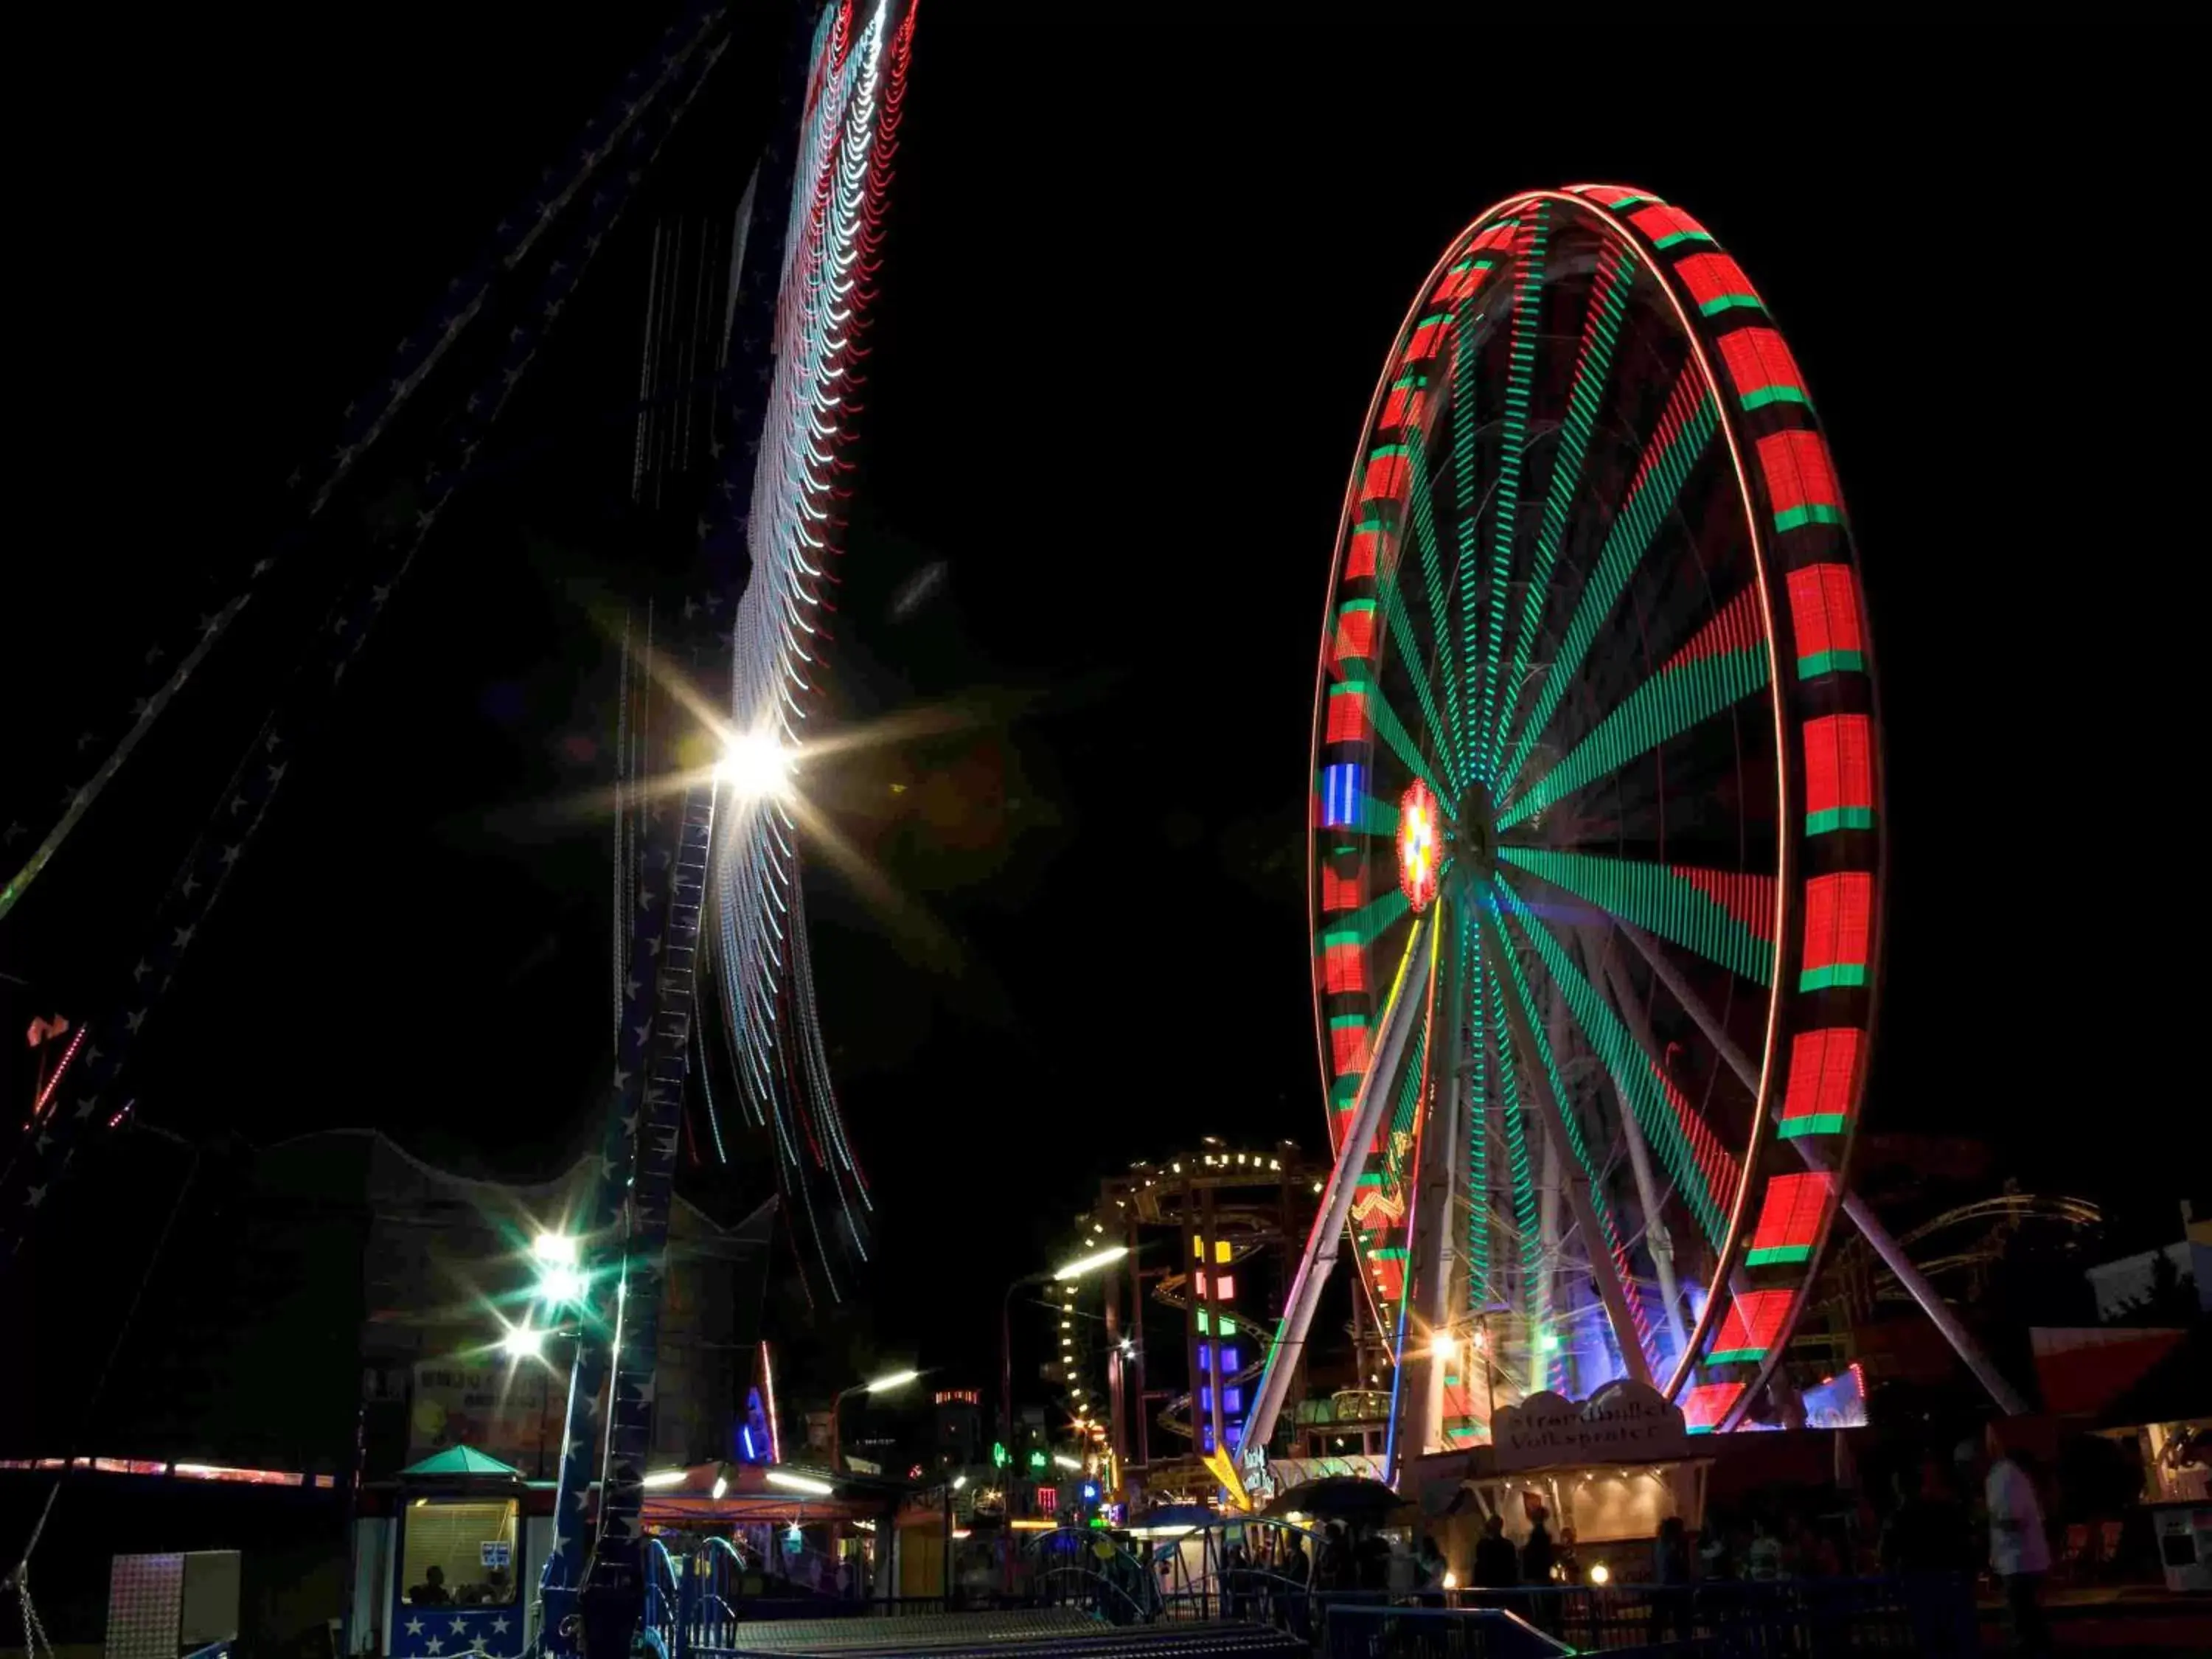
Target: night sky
1137	287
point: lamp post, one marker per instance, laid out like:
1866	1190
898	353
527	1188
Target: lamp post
1075	1269
878	1385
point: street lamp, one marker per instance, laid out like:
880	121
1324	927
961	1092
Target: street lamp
882	1384
809	1485
560	1278
1075	1269
1082	1264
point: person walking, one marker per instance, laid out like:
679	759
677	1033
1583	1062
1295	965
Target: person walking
2019	1550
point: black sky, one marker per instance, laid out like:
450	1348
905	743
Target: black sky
1139	282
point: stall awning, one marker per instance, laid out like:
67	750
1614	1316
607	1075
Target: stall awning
460	1462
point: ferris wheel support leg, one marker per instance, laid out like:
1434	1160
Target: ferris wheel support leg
1603	1269
1406	1000
1433	1257
1784	1392
1879	1238
1640	1162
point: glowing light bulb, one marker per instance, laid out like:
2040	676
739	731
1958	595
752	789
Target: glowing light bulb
755	766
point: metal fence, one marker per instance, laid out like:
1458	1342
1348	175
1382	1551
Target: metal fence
695	1610
1794	1619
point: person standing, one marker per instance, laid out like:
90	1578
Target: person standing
1670	1568
1537	1556
1431	1571
1496	1566
1762	1560
2020	1553
1400	1572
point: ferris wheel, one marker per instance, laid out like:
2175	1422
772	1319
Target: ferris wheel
1596	834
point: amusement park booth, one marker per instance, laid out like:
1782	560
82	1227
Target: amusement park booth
451	1550
1611	1468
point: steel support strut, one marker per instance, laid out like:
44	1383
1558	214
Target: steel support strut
1406	1000
1878	1238
610	1392
1432	1257
1603	1269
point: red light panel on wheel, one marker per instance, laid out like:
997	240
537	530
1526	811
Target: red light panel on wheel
1750	1326
1823	609
1716	283
1340	891
1355	631
1759	363
1388	472
1343	964
1839	927
1704	1405
1462	280
1347	714
1347	1042
1407	400
1800	484
1367	553
1789	1219
1823	1066
1430	338
1839	774
1667	227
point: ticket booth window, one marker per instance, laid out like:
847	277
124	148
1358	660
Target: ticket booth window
460	1553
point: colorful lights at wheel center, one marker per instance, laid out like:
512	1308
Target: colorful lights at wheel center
1420	844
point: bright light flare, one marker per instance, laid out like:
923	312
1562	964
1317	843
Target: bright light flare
659	1480
521	1342
561	1285
754	766
555	1249
1600	1573
1444	1346
1085	1264
895	1380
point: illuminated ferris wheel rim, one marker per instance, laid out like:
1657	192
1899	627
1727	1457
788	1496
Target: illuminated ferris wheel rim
1724	327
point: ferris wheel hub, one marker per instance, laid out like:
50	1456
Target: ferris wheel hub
1432	835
